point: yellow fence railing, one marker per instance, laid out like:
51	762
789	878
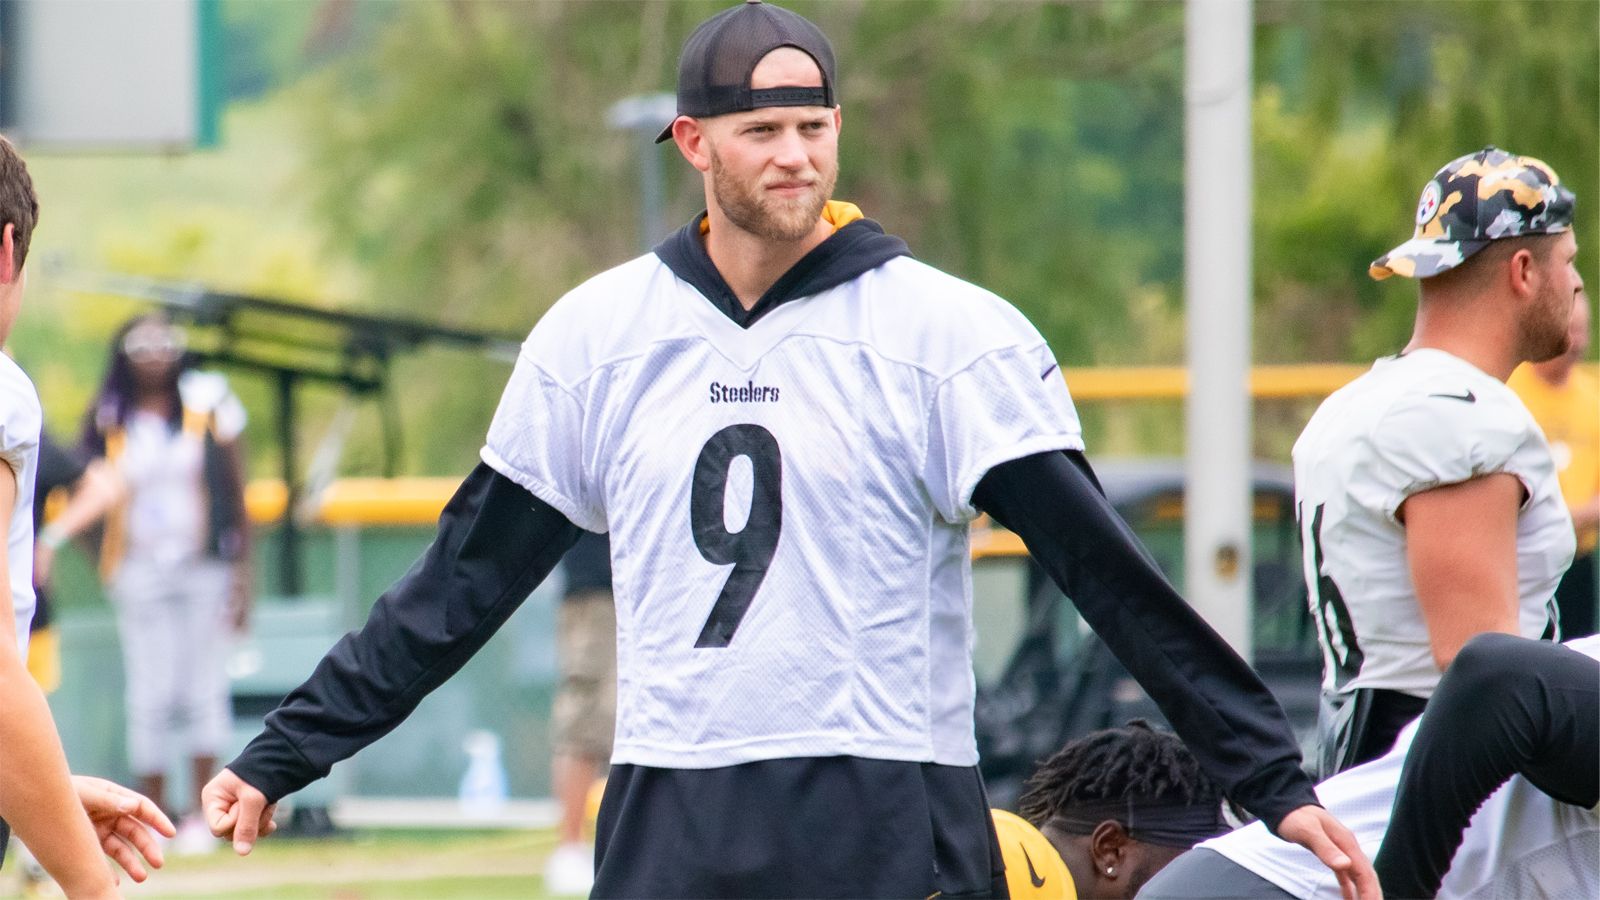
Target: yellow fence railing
418	501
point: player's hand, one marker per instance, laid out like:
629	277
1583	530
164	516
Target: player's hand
236	811
1315	829
122	821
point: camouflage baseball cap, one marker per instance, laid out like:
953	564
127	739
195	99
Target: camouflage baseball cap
1472	201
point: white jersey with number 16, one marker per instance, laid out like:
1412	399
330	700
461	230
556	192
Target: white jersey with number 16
1414	422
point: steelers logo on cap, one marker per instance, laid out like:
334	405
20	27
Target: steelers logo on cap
1429	204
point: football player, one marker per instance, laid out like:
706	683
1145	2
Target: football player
785	423
1115	807
1429	505
1492	792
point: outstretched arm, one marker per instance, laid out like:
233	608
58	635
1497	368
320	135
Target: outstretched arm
1213	699
496	543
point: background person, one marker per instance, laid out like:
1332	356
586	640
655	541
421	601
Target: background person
1440	802
1118	805
583	717
1565	400
1428	502
175	550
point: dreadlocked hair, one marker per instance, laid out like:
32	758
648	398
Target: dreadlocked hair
1134	762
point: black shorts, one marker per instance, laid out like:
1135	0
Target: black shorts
1361	726
836	826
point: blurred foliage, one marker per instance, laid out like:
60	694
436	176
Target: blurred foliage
450	161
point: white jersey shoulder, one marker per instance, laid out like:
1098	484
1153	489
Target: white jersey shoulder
1412	424
787	502
1521	843
20	422
912	312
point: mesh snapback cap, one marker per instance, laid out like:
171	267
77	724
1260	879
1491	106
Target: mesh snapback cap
714	70
1473	200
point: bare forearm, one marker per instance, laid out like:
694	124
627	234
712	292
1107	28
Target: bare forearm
1448	637
101	488
36	793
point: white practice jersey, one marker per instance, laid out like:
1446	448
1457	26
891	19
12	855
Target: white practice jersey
20	421
788	504
1413	423
1520	844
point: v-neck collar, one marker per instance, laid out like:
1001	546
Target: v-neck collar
856	248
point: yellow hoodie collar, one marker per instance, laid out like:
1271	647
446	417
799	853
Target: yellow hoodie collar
837	213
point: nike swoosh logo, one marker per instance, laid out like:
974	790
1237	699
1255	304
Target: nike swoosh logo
1047	372
1468	396
1032	875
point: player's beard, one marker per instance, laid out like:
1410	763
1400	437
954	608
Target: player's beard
1546	332
767	217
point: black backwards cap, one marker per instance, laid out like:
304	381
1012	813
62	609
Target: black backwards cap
714	70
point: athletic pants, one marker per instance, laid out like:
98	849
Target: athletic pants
172	621
1507	706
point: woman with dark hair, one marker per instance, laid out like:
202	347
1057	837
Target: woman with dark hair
174	549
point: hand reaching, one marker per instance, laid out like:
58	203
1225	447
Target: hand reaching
1315	829
122	820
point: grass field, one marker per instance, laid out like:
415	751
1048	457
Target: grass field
370	865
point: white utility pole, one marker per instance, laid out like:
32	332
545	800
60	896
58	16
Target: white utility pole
1216	269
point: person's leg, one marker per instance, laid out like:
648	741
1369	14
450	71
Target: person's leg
583	724
146	629
1506	706
206	706
584	715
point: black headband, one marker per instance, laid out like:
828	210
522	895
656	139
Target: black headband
1167	824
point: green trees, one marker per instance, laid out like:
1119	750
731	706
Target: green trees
453	162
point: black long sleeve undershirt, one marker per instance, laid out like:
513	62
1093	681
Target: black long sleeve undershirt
1214	700
1506	706
496	543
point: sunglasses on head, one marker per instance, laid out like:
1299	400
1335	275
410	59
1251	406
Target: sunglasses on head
154	344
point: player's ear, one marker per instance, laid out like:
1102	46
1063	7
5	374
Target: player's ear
1108	849
838	119
690	136
8	249
1522	273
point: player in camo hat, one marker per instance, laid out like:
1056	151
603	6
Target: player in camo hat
1473	200
1432	511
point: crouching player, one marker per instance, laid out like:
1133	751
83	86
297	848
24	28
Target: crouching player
1492	793
1106	813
